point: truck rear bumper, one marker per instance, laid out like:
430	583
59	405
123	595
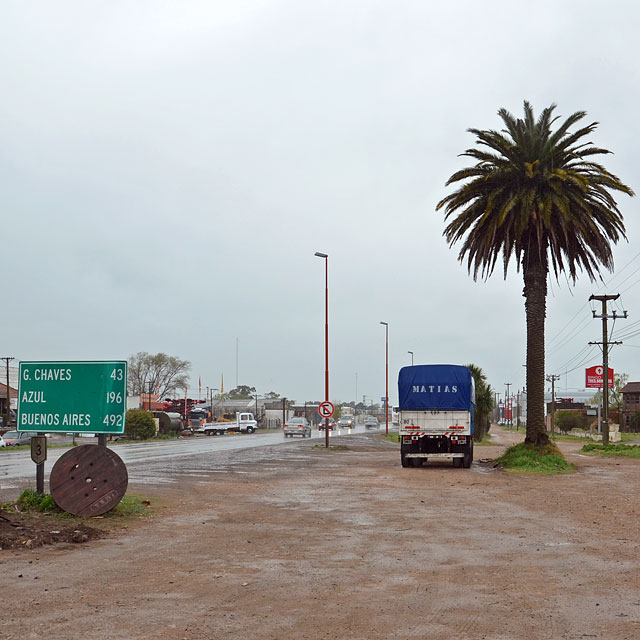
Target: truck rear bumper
434	455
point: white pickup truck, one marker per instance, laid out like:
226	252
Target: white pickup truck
244	423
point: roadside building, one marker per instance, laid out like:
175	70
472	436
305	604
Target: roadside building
630	404
13	397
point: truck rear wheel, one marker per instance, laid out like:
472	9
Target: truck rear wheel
468	457
417	462
405	461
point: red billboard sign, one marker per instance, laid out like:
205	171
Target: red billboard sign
594	376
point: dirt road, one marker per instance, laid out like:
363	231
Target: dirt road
305	543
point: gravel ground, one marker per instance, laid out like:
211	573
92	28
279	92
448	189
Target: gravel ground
302	543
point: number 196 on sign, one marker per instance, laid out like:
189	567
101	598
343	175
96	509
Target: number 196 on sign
114	396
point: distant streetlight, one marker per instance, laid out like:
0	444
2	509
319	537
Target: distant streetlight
411	352
386	378
325	257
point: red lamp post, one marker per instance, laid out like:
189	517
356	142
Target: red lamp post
325	257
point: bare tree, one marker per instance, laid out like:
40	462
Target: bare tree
161	373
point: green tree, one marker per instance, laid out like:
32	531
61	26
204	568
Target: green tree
615	397
161	373
139	424
567	420
241	392
484	401
535	195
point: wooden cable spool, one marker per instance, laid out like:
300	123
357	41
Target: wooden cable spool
88	480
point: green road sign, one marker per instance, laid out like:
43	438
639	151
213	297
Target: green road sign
72	397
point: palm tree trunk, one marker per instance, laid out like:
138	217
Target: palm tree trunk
535	268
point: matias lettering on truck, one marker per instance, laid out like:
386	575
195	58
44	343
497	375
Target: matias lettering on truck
433	387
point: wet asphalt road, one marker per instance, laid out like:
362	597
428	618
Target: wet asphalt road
165	460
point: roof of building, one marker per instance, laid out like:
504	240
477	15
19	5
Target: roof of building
3	391
631	387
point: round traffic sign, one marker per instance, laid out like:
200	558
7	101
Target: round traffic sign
326	409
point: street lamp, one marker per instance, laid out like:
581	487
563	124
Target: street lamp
386	378
325	257
411	352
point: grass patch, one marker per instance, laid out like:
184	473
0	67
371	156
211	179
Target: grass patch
524	458
612	450
30	500
392	437
333	447
131	506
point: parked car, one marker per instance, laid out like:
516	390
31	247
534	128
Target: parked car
14	420
371	422
2	442
17	438
297	427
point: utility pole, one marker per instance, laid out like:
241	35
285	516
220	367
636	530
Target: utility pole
605	358
506	404
552	379
7	419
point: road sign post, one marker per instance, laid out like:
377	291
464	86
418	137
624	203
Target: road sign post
39	455
73	397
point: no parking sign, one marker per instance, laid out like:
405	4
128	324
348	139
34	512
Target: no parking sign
326	409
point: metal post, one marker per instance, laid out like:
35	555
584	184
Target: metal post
325	257
411	352
506	404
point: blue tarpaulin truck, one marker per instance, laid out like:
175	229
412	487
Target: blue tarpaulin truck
436	412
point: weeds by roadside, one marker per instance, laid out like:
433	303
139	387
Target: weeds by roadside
30	501
612	450
333	447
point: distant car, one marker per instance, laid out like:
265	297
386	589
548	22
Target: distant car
346	422
297	427
2	442
371	422
332	424
17	438
14	420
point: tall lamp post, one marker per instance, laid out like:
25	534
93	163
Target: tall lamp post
325	257
411	352
386	378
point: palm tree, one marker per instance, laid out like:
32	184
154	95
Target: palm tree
535	194
484	401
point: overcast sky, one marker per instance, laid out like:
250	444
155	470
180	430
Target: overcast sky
168	170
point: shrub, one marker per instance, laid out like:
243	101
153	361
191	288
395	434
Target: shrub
567	420
139	424
530	459
30	500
